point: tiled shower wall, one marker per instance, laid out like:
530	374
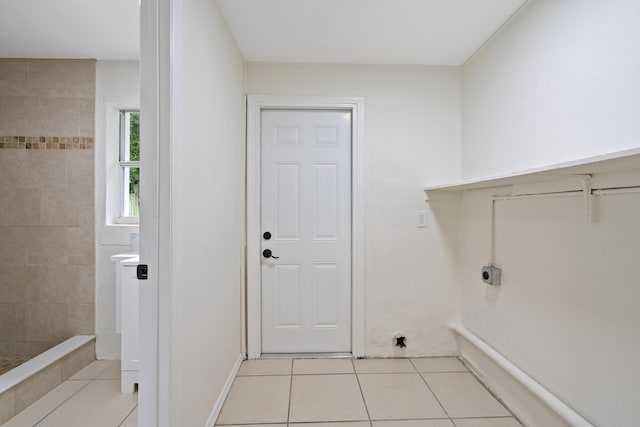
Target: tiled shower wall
47	268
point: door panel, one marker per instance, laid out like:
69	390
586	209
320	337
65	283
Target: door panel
325	295
287	284
286	135
287	200
325	135
325	201
306	206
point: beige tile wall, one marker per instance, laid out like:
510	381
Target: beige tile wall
47	256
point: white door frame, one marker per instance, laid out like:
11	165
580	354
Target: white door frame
155	195
255	104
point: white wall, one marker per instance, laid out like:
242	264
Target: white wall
207	209
566	312
117	88
412	136
559	83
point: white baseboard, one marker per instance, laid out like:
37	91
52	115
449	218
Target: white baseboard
225	391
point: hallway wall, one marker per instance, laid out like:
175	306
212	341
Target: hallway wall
206	209
412	136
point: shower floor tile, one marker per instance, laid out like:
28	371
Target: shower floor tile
8	363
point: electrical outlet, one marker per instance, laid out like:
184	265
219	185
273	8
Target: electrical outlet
491	275
421	219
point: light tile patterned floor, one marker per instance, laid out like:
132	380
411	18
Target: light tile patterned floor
429	392
91	398
433	392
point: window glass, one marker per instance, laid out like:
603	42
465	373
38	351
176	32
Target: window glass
129	165
131	191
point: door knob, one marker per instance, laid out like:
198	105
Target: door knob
268	254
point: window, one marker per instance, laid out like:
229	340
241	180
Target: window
129	167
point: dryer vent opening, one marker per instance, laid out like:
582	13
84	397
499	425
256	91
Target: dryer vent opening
400	340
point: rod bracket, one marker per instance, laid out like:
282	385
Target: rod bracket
588	197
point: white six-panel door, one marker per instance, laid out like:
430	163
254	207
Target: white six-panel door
306	207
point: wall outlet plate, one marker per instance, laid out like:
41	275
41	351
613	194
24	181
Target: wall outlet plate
421	219
491	275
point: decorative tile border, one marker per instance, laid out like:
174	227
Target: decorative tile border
46	142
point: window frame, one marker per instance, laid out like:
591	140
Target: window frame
123	140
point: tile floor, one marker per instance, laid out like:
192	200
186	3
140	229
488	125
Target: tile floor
91	398
429	392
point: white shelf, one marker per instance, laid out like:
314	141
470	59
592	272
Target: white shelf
620	161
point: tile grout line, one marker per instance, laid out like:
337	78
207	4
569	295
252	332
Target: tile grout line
473	374
366	408
484	417
290	392
301	375
417	419
490	391
215	423
447	416
76	392
128	415
434	395
381	373
90	379
61	403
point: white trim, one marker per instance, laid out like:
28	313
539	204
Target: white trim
225	391
558	406
256	103
243	252
154	407
253	305
357	230
124	142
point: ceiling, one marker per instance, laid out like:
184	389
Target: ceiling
100	29
429	32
